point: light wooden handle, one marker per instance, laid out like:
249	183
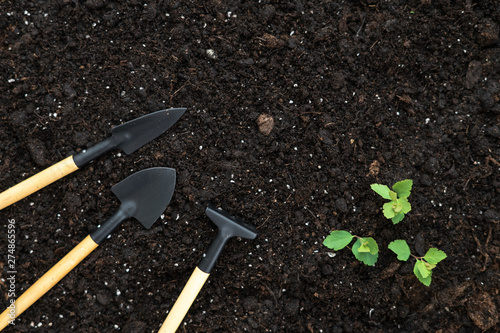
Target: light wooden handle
37	182
47	281
183	303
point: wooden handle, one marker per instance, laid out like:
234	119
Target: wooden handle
37	182
183	303
47	281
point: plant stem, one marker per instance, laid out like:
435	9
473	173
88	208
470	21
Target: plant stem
362	240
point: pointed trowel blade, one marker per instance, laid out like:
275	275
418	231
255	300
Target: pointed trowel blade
136	133
147	192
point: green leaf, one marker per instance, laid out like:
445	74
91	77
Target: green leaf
389	213
365	257
427	280
393	195
433	256
372	244
422	268
401	248
398	218
406	207
397	207
403	188
382	190
337	240
364	248
429	267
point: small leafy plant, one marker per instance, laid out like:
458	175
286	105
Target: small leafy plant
365	249
424	265
395	209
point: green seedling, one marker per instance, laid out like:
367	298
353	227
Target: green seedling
395	209
365	249
424	265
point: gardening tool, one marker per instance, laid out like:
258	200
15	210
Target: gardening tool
129	137
229	226
143	195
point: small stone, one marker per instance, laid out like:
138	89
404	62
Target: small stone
265	123
341	205
108	166
211	54
38	152
271	41
267	13
473	75
246	62
102	298
420	244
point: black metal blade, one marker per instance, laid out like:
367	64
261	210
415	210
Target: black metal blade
137	132
229	226
132	135
146	193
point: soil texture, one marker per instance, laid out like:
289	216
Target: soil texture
293	109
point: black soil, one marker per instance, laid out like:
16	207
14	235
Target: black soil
294	109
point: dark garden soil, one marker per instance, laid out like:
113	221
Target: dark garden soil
352	93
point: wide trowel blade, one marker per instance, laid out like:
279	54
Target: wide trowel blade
136	133
150	191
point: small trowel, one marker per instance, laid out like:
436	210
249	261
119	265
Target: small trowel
128	137
143	195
